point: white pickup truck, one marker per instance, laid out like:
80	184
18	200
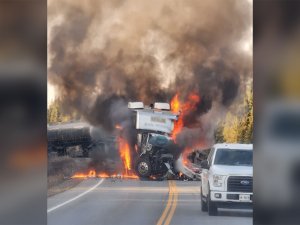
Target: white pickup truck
227	178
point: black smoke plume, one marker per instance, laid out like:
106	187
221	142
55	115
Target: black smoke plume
103	54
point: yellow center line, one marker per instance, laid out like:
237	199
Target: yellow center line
168	206
172	211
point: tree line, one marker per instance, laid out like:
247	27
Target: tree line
238	127
56	114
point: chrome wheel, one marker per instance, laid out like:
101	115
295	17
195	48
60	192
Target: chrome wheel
143	168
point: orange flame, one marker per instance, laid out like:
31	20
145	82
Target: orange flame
103	175
125	154
118	127
185	160
124	150
175	104
92	174
129	176
184	108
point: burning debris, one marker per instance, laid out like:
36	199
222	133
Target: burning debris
93	174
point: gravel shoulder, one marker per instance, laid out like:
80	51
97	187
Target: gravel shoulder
60	170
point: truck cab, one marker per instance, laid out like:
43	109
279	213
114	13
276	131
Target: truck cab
227	178
154	145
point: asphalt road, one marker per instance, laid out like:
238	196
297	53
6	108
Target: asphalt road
114	202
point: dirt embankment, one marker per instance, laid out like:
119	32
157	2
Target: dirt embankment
60	170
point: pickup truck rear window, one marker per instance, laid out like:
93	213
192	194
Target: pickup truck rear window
234	157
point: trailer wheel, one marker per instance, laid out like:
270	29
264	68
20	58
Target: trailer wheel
143	167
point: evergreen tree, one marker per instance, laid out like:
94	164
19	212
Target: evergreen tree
231	128
57	115
238	128
219	138
53	113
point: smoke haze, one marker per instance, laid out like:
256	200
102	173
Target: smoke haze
103	54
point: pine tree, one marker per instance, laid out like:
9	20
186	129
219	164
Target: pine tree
231	128
219	138
53	115
57	115
249	117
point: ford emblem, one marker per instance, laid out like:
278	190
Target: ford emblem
245	182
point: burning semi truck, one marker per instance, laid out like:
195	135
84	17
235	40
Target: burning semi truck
155	147
146	151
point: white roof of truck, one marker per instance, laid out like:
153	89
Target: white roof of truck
234	146
167	114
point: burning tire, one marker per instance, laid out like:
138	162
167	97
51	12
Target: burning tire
143	167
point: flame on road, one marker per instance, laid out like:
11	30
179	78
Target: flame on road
93	174
90	174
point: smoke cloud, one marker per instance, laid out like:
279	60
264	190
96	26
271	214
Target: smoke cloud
103	54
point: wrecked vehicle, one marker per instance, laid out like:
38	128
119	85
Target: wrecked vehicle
154	145
64	136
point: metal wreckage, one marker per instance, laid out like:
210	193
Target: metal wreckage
158	154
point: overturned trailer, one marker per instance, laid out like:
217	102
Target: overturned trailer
155	146
63	136
75	139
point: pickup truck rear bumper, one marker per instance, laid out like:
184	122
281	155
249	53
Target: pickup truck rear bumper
235	205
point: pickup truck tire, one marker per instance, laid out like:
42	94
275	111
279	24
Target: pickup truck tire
143	167
212	207
203	203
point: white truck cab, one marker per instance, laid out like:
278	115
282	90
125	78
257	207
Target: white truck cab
227	178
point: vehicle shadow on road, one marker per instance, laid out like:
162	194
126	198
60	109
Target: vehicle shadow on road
235	213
